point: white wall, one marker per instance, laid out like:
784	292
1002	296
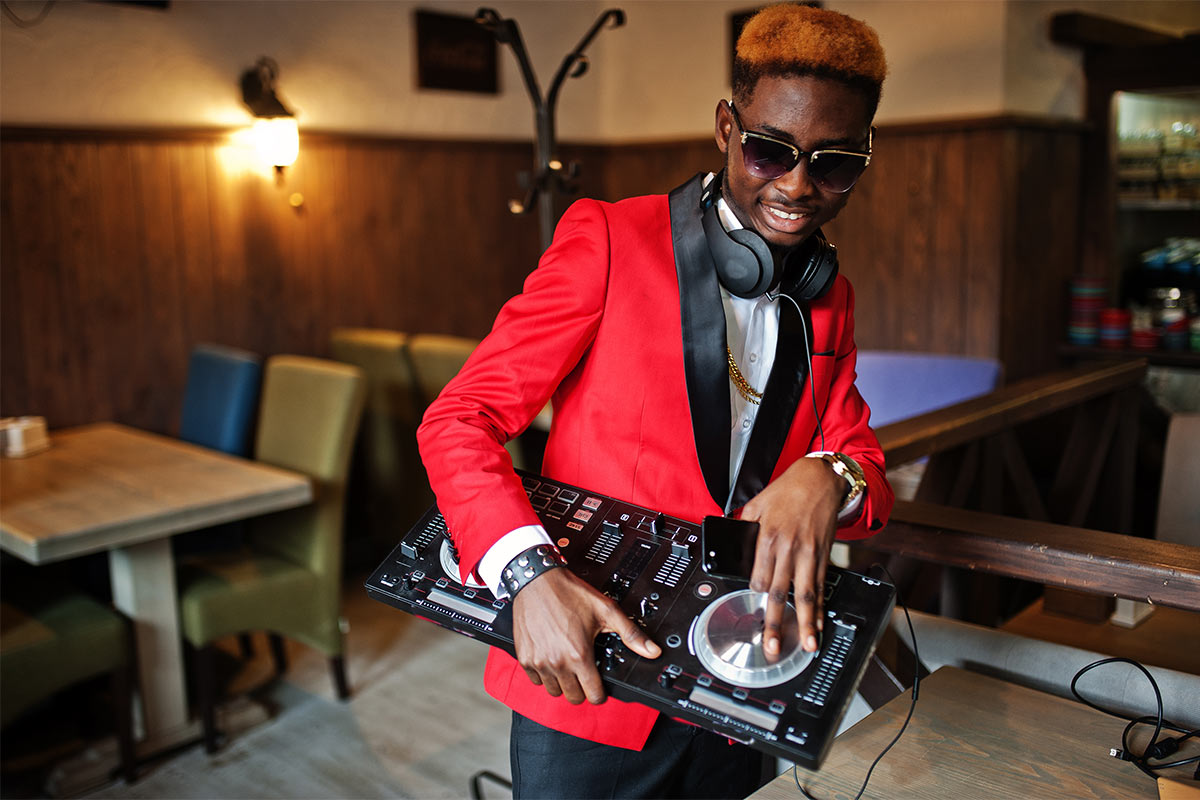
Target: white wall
1044	78
345	65
348	65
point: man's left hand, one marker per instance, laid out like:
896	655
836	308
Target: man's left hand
797	524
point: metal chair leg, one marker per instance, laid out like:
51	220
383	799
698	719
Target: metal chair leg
246	646
206	695
278	653
122	698
477	789
337	665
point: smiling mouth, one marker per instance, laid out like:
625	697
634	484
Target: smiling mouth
785	215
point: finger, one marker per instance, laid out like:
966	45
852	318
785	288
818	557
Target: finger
574	692
776	607
819	587
589	685
632	636
534	677
550	682
806	599
762	573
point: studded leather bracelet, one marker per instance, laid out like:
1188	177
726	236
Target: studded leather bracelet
527	565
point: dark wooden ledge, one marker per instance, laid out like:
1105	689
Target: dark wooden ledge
1156	572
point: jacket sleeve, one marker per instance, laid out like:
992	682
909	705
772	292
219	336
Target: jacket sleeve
538	338
844	421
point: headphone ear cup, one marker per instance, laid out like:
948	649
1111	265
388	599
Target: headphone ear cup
757	273
744	262
809	271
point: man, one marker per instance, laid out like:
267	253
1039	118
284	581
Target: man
675	392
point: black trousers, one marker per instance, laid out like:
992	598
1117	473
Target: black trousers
678	761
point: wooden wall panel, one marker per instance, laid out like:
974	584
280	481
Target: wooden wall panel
983	225
121	251
1045	249
959	240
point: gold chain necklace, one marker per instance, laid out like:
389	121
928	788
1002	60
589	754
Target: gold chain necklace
739	381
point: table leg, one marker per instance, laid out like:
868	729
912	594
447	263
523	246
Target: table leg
143	587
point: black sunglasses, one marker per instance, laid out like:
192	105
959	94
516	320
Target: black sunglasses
768	158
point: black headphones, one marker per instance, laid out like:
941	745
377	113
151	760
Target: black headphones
748	267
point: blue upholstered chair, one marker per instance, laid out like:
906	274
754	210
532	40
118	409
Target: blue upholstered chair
220	402
898	385
220	399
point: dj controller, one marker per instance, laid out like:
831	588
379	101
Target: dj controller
713	671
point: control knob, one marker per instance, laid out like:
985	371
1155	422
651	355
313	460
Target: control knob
646	609
609	651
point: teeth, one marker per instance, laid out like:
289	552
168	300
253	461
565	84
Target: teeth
783	215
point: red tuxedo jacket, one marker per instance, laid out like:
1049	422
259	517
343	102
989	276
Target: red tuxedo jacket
598	329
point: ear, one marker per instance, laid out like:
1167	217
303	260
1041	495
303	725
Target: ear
724	126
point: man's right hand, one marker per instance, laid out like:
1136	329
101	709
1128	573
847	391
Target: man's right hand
556	620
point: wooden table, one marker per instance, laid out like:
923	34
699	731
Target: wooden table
976	736
109	487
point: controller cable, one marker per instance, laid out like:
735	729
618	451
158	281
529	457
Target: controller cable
911	706
1157	749
899	600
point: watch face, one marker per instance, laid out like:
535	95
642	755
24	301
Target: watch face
848	468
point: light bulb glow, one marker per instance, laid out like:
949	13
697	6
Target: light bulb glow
277	140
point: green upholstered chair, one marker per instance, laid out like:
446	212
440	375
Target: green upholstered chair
287	579
53	637
436	359
388	489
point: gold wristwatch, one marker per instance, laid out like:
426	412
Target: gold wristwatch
848	468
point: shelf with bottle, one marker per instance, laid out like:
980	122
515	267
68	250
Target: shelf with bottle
1158	311
1159	167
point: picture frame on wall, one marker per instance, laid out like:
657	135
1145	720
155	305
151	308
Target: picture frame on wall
454	53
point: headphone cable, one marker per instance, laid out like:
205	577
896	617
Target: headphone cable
808	355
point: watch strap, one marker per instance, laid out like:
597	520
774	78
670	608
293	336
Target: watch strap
845	467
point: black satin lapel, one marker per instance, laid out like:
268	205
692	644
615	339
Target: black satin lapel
786	389
703	320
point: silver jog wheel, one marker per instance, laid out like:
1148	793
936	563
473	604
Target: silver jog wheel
728	640
450	567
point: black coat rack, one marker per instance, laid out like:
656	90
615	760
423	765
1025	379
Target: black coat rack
549	175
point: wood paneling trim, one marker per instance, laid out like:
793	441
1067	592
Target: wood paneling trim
907	127
123	249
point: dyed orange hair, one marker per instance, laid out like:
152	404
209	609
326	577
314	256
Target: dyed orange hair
793	40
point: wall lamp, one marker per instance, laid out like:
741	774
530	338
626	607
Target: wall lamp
276	134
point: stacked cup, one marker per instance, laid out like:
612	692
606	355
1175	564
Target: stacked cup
1114	328
1175	334
1087	298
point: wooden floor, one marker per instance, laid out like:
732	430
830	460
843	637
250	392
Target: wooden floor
418	723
